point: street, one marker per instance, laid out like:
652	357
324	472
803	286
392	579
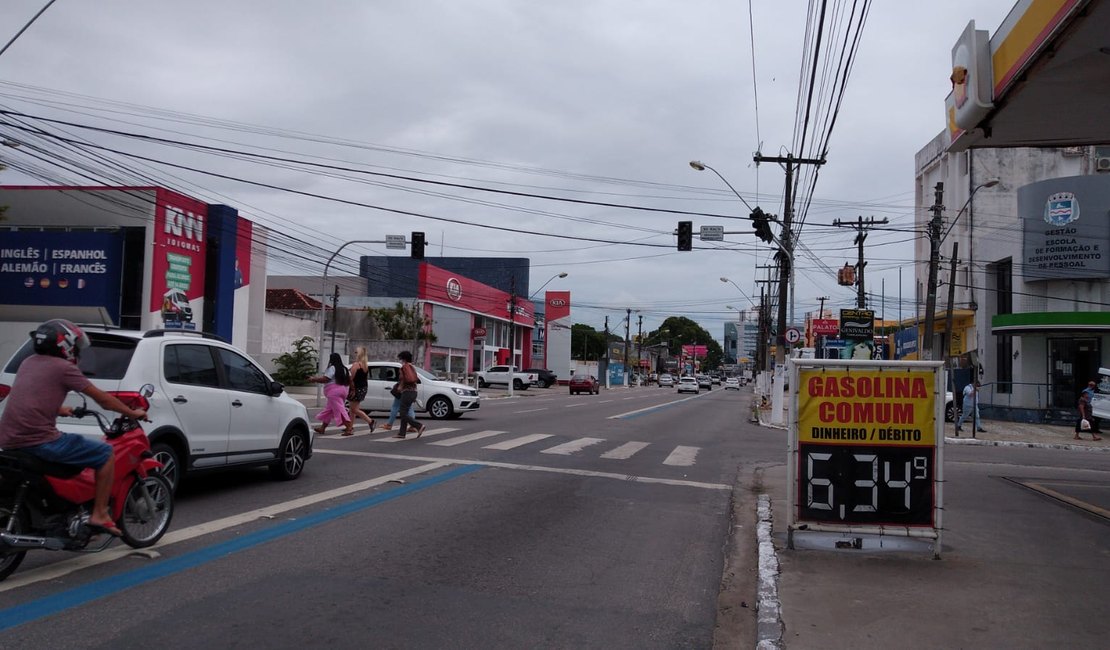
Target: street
619	520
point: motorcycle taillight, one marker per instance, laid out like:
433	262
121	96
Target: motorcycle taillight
4	390
132	399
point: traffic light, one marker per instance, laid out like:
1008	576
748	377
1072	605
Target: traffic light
685	235
417	245
761	222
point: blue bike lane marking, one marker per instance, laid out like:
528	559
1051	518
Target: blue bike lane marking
50	605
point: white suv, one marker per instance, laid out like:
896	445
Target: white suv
212	406
439	398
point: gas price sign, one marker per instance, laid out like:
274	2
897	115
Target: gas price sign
865	445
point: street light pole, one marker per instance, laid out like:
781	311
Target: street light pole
323	305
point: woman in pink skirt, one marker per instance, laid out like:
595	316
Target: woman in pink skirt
335	380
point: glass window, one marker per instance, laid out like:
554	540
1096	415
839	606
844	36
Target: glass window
190	364
383	373
242	374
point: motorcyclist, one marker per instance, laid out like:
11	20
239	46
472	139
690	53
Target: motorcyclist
35	402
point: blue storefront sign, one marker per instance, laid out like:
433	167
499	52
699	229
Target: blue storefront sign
73	269
905	341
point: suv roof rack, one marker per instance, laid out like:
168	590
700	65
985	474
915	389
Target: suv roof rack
162	332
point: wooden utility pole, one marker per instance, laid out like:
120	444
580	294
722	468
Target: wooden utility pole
861	228
935	225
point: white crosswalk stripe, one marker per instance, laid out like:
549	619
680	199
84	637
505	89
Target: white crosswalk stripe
625	451
518	442
428	433
470	437
574	446
682	456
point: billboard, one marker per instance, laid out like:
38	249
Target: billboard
179	253
1064	229
73	269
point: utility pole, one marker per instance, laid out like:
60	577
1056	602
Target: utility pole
861	228
821	315
935	226
639	341
786	255
334	316
512	330
951	299
627	323
607	384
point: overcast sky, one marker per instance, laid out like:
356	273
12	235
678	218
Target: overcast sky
603	101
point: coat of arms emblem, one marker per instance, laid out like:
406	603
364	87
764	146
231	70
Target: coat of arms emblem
1061	209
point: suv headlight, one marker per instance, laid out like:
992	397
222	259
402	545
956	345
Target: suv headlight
465	392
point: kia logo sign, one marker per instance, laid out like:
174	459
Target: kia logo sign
557	302
454	290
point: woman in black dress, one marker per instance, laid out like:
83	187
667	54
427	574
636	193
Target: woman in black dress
359	372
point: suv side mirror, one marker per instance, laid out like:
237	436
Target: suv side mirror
276	388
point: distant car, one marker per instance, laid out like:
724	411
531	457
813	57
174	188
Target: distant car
584	384
705	382
732	383
666	381
500	375
716	379
688	385
544	377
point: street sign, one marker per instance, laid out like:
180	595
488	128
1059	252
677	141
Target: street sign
395	242
793	335
712	233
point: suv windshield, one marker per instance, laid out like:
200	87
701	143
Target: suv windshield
107	358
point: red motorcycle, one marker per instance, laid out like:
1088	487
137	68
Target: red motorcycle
46	505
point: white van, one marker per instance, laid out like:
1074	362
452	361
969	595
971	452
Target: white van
1100	401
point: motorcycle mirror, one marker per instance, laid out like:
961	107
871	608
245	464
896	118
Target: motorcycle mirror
147	390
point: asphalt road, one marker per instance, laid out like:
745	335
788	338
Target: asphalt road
543	521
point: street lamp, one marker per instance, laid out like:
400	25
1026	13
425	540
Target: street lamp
323	304
746	297
557	275
700	166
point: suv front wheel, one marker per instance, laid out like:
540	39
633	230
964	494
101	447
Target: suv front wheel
292	455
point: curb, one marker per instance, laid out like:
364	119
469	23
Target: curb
769	626
976	442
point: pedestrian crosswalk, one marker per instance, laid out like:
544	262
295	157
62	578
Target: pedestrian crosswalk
679	456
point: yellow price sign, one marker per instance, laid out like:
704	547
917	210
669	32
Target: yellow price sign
870	406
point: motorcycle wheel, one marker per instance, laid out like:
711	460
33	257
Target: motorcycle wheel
147	511
9	561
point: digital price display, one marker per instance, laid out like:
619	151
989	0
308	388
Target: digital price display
866	445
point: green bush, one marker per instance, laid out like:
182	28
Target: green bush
295	367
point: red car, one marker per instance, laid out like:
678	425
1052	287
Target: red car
584	384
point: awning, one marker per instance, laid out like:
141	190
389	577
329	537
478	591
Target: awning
1047	322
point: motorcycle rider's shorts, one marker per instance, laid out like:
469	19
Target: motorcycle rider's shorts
73	449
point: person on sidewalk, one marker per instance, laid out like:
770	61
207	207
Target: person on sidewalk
970	403
359	370
408	382
1085	417
335	380
1096	423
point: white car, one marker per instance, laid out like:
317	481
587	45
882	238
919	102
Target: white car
439	398
687	385
213	406
666	381
732	383
500	375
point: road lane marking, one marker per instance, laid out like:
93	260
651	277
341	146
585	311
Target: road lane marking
570	406
572	447
470	437
682	456
428	433
625	451
648	409
629	478
606	401
518	442
65	567
530	410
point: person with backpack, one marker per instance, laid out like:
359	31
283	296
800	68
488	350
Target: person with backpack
336	378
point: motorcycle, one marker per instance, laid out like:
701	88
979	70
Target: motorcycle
47	505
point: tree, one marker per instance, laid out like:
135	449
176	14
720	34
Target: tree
677	331
401	323
586	342
295	367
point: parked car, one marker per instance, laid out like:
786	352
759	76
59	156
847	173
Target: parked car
732	383
213	406
584	384
951	409
500	375
439	398
666	380
687	384
544	377
705	382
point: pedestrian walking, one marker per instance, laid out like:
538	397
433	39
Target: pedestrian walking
395	411
336	378
359	370
1096	422
970	404
1085	420
407	385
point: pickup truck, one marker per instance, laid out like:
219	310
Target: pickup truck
500	375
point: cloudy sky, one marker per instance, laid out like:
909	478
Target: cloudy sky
580	116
